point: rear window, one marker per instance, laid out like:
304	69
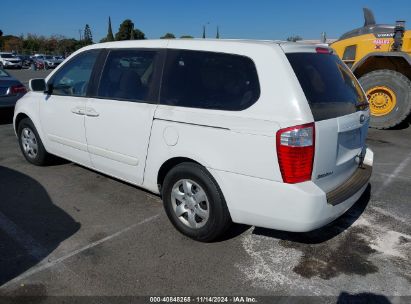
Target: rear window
329	86
209	80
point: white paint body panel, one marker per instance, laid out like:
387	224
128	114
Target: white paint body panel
118	137
269	204
64	130
131	141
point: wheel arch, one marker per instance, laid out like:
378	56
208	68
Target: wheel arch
22	115
397	61
168	165
18	119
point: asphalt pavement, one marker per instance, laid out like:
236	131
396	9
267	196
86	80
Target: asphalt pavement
66	230
26	74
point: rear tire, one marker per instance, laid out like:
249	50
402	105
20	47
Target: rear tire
395	82
210	212
31	145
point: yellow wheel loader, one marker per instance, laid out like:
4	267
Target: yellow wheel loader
380	57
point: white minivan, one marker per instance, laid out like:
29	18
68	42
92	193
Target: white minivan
263	133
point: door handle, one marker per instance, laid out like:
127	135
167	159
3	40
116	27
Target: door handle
78	111
91	112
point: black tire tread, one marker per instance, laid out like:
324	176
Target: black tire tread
43	156
212	232
390	74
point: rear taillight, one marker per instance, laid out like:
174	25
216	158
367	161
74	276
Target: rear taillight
295	151
17	89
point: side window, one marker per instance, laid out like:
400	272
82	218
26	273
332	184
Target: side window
129	75
73	78
209	80
349	55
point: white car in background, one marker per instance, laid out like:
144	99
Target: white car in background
8	60
58	59
263	133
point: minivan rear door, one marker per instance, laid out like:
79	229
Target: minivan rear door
340	111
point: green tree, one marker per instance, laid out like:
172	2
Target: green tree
51	44
218	33
187	37
1	33
67	46
88	37
138	35
204	34
12	43
168	36
294	38
31	43
125	29
110	36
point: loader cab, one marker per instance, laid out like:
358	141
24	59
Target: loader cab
371	38
378	30
379	55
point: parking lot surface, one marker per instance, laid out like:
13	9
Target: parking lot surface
25	75
67	230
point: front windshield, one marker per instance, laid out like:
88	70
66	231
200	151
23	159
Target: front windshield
48	57
6	56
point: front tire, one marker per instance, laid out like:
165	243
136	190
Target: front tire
194	202
389	94
30	143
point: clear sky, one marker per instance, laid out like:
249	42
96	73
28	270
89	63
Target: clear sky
258	19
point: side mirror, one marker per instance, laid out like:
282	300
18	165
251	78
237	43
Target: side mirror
38	85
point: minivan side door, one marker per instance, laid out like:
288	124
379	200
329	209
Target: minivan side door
62	108
120	114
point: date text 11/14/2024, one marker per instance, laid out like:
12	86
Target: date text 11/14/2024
203	299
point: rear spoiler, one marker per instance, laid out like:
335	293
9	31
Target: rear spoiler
298	47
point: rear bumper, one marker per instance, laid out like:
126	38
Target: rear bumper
291	207
360	178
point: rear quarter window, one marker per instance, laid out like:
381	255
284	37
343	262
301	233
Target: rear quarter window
329	86
209	80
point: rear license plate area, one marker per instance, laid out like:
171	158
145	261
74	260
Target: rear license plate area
349	145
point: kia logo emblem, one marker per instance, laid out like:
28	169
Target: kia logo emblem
362	118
